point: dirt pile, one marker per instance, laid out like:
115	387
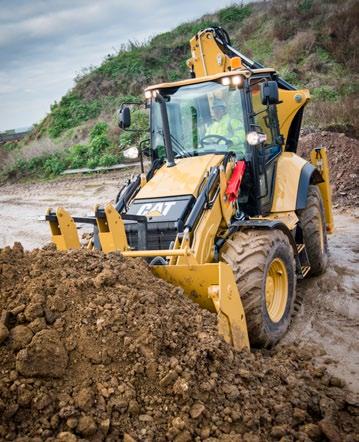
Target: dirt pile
343	155
94	347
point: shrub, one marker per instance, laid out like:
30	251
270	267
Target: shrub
325	93
21	165
46	165
234	13
340	37
108	159
305	6
96	153
37	163
54	165
92	162
99	152
77	156
126	62
98	144
10	146
289	75
99	129
70	112
127	139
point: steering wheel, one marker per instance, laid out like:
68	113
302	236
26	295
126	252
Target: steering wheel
215	139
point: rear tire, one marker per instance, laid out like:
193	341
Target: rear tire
264	268
312	222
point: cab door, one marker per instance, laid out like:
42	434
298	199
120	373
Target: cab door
264	120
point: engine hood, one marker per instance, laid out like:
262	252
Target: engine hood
184	178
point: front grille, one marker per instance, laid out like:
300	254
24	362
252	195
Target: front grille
163	216
159	235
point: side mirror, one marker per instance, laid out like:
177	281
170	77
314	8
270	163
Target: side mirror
269	93
124	117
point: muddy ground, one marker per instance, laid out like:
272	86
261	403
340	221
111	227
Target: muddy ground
22	204
329	316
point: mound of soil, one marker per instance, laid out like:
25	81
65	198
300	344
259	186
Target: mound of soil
94	347
343	153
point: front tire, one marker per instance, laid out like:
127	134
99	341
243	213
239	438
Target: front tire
312	222
264	268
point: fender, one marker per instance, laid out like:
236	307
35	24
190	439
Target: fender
293	176
264	224
308	175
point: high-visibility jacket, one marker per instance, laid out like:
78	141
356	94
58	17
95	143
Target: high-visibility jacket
230	128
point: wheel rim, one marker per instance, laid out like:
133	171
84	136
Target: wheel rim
276	290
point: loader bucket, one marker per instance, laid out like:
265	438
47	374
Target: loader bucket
214	288
210	285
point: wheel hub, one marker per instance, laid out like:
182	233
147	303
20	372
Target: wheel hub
276	289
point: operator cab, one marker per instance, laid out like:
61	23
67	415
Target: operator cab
203	118
231	112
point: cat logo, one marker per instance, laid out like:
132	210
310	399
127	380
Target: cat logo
156	209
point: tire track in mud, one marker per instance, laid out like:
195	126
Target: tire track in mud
22	204
329	313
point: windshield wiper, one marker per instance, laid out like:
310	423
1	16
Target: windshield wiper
181	148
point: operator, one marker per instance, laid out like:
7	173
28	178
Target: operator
226	126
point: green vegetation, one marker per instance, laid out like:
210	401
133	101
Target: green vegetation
70	112
305	5
325	93
311	43
10	146
98	152
234	13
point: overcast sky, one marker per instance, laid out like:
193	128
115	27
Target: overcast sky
45	43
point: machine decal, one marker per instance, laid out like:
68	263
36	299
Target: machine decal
156	209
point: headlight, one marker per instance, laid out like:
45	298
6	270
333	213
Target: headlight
254	138
237	80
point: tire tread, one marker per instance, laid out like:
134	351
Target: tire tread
246	252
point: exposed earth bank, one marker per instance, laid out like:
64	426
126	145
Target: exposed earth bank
343	155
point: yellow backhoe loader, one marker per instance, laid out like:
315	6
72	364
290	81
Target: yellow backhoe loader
227	210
